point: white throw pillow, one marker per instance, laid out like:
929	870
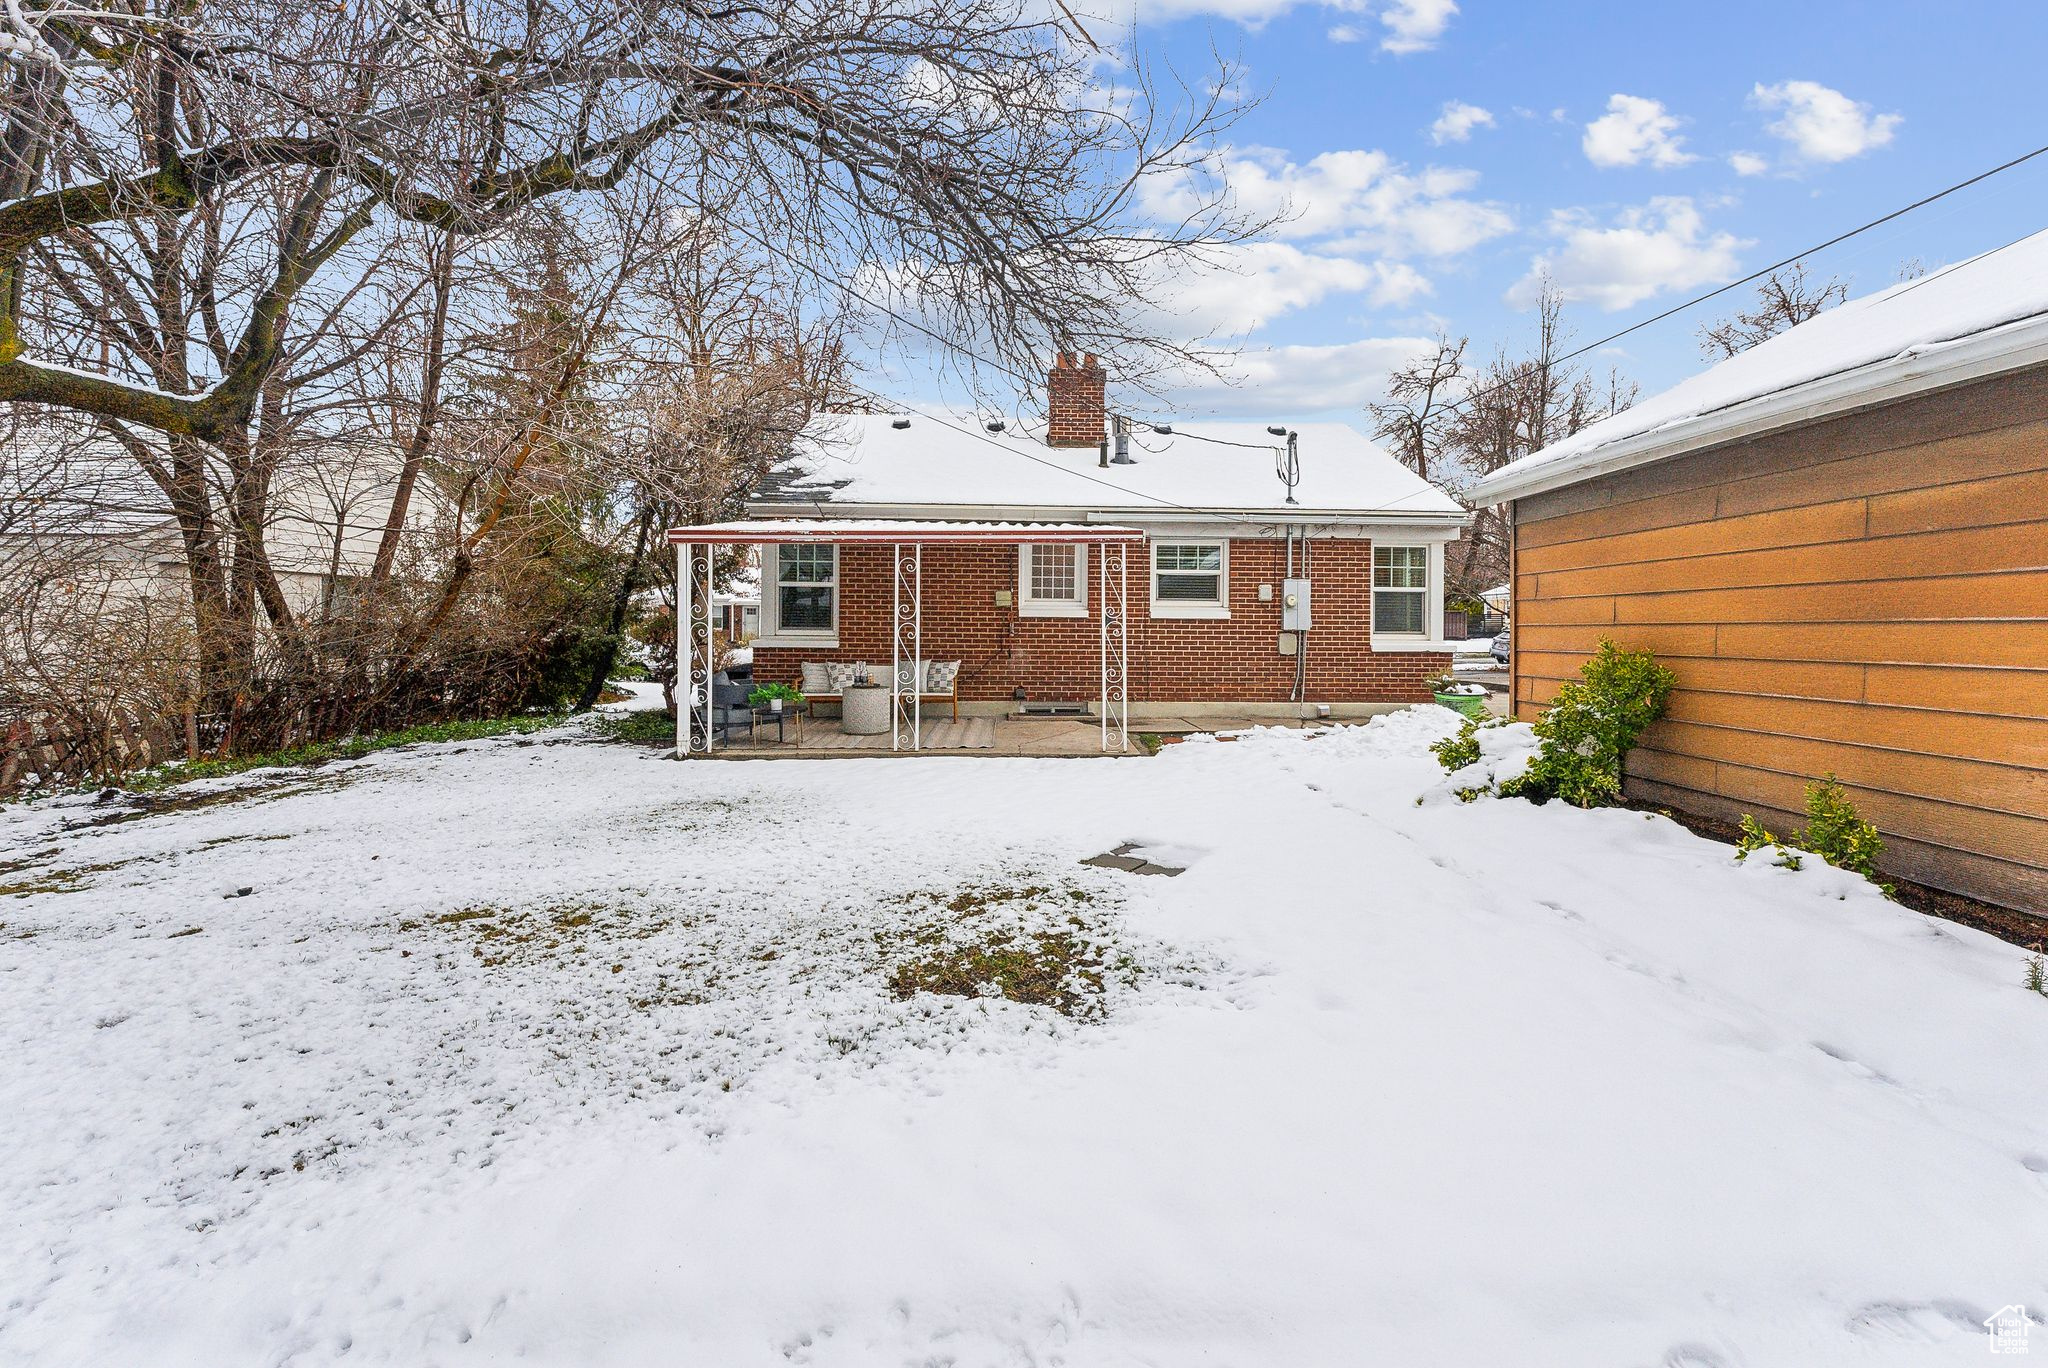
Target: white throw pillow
817	678
840	675
939	676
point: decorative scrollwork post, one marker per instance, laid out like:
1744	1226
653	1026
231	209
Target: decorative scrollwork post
1114	643
708	663
683	650
695	653
906	644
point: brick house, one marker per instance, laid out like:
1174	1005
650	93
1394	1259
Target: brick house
1213	541
1838	541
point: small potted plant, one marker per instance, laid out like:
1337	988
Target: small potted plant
1451	692
775	697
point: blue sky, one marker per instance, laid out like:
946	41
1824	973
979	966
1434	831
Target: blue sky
1645	151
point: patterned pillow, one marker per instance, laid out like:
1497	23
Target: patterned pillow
839	673
939	675
817	677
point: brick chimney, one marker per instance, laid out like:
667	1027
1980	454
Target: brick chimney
1076	405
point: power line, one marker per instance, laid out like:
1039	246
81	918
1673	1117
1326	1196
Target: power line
952	344
1063	469
1469	397
1574	354
1760	274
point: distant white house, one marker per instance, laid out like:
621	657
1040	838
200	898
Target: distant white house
738	604
80	502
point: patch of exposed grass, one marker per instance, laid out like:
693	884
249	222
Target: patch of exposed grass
70	880
645	727
516	936
29	861
51	881
141	805
234	840
348	748
1033	943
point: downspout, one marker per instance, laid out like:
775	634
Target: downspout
1514	708
1301	634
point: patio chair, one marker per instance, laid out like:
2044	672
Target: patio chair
729	711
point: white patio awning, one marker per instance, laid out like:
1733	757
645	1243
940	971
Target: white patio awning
893	532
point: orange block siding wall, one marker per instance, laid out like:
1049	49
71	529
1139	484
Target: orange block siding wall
1866	596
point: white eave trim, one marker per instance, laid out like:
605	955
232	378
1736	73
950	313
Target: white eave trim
1939	365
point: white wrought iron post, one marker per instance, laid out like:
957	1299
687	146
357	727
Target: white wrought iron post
1123	648
682	650
695	657
710	666
1102	630
1114	637
917	652
896	647
906	633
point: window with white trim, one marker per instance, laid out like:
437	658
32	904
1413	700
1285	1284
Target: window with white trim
806	590
1400	590
1190	579
1052	580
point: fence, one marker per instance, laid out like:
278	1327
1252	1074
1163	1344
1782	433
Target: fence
41	749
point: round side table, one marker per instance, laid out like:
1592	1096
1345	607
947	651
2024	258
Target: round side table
864	709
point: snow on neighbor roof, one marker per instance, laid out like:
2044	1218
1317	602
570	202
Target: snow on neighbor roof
1977	318
951	461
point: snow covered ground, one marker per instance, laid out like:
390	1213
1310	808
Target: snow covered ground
543	1051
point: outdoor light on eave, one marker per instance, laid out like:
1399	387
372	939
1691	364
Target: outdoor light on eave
1287	464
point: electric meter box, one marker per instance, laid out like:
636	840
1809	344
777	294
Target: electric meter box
1294	605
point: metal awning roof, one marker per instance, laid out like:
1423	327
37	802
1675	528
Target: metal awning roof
843	531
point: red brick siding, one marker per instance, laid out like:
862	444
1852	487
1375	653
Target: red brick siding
1172	659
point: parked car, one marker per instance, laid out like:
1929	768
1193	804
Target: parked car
1499	649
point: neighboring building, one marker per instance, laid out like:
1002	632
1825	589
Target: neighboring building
738	605
1204	588
87	506
1839	541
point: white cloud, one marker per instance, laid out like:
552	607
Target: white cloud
1457	121
1648	250
1632	131
1253	14
1249	286
1365	201
1415	25
1748	163
1821	124
1406	25
1297	382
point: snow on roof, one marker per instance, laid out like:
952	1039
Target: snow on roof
1914	333
947	460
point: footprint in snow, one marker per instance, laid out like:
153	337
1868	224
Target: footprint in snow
1692	1356
1928	1322
1854	1065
